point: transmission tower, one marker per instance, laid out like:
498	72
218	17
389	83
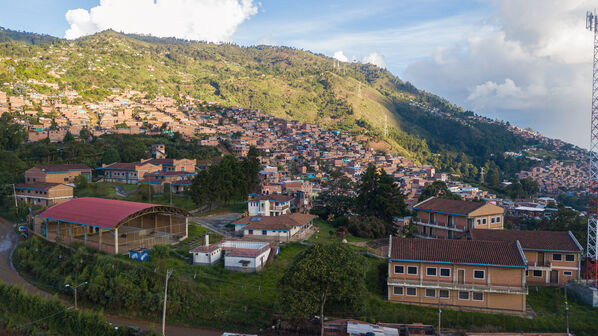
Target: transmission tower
592	238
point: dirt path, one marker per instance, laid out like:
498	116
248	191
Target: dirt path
9	275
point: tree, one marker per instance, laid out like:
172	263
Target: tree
111	155
368	227
437	189
68	137
84	134
569	220
330	206
81	182
327	275
379	196
252	167
12	134
144	192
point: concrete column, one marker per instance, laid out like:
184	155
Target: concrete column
85	235
170	223
99	239
46	235
115	241
155	221
186	227
57	230
71	233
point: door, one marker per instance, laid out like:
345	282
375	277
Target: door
461	276
540	258
554	277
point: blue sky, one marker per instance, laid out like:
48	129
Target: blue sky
526	61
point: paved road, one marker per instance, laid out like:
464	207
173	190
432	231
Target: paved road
8	241
216	223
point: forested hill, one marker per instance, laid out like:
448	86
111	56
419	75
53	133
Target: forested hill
284	82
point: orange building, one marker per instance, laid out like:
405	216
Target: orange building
479	275
445	218
178	180
58	173
553	257
43	193
128	172
167	165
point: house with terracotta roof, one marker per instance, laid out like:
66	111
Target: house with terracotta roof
186	165
129	173
553	257
239	256
479	275
450	219
269	205
281	228
57	173
44	194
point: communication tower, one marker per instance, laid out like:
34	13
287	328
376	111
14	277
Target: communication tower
592	237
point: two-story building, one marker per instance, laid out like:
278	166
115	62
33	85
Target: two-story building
57	173
129	173
168	165
178	180
484	275
269	205
451	219
44	194
553	257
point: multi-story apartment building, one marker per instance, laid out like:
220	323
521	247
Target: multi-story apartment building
44	194
57	173
485	275
129	173
269	205
553	257
446	218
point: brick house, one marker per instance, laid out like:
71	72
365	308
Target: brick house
178	180
445	218
58	173
45	194
553	257
484	275
129	173
186	165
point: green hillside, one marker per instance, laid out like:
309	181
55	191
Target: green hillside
284	82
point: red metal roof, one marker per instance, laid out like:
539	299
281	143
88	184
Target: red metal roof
100	212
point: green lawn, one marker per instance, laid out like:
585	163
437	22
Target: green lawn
328	234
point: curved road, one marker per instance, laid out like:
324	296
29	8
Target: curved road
9	275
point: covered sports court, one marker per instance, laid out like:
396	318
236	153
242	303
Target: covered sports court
112	226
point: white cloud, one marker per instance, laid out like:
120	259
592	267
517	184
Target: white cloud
530	62
338	55
203	20
375	59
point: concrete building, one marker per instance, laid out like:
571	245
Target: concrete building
478	275
282	228
445	218
129	173
553	257
269	205
239	256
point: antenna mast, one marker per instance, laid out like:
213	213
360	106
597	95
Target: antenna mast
592	238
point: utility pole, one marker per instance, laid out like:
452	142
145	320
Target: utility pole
439	318
75	290
14	192
168	274
566	310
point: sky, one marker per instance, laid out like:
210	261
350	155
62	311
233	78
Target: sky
526	62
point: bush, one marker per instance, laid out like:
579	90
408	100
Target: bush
367	227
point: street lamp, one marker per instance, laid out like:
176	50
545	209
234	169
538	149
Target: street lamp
75	289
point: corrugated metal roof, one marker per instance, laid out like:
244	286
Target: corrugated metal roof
99	212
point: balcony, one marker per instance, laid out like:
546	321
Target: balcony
454	285
279	207
441	227
539	266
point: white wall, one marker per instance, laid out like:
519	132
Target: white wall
209	258
254	263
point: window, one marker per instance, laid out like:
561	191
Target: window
397	290
570	257
537	274
463	295
443	294
492	220
477	296
557	256
526	273
478	221
411	291
66	179
264	232
430	292
399	269
478	274
484	221
412	270
431	271
250	232
567	273
498	219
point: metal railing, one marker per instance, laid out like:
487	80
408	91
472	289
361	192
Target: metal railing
456	285
444	227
